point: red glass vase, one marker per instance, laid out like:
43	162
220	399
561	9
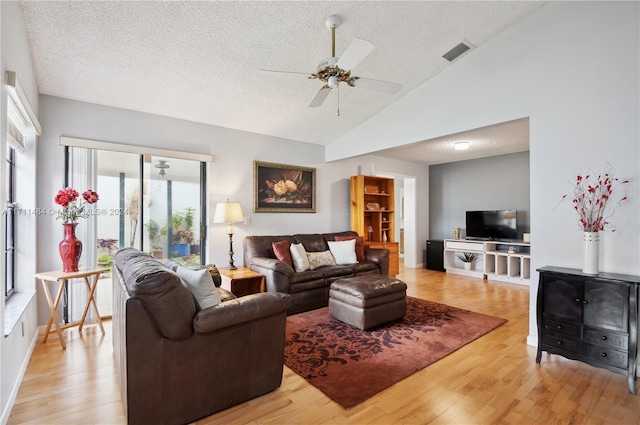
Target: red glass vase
70	248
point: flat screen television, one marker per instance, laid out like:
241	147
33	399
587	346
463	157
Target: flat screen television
492	225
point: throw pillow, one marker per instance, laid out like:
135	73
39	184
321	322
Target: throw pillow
282	251
359	245
213	270
201	285
319	259
299	257
344	252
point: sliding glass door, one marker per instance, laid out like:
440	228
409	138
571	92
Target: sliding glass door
147	202
172	221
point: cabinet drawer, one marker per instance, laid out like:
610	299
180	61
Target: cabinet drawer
605	355
464	246
562	343
561	328
607	338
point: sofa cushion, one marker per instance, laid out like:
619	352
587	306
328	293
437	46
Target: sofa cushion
320	259
307	284
201	285
359	245
337	271
282	251
225	295
168	301
305	276
344	252
261	246
299	257
312	242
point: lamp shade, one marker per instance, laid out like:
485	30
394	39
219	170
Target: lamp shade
228	212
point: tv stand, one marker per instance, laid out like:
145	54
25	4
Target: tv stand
455	247
497	260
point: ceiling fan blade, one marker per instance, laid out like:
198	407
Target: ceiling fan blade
358	50
320	97
272	71
377	85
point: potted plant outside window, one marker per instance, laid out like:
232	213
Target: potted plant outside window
189	235
178	247
155	233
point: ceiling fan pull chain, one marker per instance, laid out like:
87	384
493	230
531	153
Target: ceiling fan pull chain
338	90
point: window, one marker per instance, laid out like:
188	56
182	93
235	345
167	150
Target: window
10	224
17	128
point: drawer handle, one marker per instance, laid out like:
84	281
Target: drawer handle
559	326
603	355
604	337
585	302
558	342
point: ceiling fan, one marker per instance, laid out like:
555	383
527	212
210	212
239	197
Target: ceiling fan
335	70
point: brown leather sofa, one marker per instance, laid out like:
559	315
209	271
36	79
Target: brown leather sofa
308	289
177	363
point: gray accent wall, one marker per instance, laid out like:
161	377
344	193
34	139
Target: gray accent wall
493	183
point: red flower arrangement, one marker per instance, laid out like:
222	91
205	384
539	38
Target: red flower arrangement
74	208
592	199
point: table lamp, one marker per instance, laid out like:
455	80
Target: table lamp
229	212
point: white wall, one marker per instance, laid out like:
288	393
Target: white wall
16	346
573	69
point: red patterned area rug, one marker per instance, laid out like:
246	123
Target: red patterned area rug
350	365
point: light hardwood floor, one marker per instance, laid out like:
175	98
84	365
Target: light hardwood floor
493	380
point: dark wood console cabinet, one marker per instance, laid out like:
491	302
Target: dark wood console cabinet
590	318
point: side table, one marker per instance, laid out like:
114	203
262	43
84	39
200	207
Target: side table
62	277
242	281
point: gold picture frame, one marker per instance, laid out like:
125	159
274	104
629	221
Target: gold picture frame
283	188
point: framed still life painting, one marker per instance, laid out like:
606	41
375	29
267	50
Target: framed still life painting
283	188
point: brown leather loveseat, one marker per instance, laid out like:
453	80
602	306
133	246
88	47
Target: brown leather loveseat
178	363
309	289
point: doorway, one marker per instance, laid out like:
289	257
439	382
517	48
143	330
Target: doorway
405	189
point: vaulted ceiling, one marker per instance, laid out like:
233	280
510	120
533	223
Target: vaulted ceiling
201	61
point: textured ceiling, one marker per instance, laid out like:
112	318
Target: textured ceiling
200	61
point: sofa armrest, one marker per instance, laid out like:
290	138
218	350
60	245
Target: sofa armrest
273	264
277	274
240	310
380	256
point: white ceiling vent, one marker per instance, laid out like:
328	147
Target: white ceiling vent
458	51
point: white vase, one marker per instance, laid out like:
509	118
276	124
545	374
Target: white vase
467	266
590	252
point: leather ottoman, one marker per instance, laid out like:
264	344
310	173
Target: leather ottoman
368	300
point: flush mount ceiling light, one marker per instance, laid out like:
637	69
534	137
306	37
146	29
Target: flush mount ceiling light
460	146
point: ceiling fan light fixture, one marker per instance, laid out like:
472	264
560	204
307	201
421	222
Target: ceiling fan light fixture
162	165
461	146
334	70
